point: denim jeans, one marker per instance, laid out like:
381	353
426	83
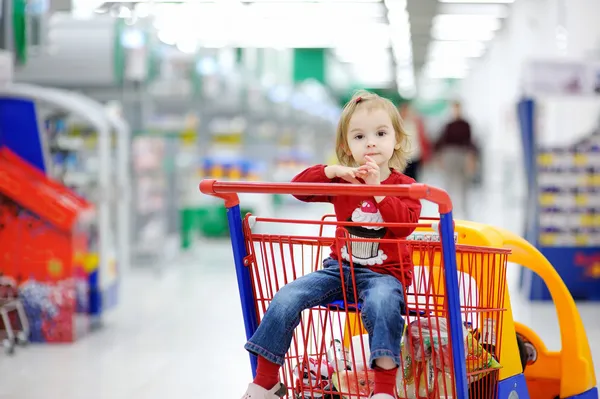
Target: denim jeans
381	297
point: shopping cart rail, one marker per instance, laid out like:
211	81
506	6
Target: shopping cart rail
228	191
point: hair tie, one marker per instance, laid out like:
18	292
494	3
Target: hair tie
358	99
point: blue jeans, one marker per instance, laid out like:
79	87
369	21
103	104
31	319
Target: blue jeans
381	297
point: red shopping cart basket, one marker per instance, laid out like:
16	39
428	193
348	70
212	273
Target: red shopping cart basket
450	347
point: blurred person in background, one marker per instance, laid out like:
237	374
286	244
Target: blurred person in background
457	154
421	146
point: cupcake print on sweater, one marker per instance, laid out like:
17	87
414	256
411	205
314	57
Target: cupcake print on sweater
365	253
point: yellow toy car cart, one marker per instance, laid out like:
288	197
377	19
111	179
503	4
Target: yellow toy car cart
568	373
460	339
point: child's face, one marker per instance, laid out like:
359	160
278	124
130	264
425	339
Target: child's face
370	132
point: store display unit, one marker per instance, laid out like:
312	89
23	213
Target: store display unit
45	231
559	119
24	134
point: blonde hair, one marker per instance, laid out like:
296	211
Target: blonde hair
371	101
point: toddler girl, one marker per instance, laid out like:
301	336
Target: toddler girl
371	149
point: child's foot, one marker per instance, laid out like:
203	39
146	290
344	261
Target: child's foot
257	392
382	396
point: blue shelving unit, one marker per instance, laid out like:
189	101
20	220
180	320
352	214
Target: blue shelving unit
562	209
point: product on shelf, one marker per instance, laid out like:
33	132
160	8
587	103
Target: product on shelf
569	195
229	169
209	217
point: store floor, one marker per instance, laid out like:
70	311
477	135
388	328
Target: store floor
178	332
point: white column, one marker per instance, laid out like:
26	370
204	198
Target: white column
491	91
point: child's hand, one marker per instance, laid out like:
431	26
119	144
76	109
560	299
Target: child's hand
343	172
369	172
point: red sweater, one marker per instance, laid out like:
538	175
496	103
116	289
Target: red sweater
380	257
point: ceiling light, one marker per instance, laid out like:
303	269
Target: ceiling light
443	70
447	74
290	34
142	10
481	22
163	1
312	10
187	46
398	17
455	49
478	1
124	12
207	66
252	25
461	34
167	37
260	11
133	39
305	1
86	5
464	27
493	9
354	55
395	4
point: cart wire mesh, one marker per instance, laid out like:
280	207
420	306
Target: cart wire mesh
329	353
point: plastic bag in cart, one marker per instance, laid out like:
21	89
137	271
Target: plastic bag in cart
415	380
339	357
352	376
313	377
429	336
421	379
478	359
357	384
429	340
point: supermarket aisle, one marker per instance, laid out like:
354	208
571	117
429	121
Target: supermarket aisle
180	334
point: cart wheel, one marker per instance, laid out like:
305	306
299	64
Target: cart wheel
22	339
522	351
9	347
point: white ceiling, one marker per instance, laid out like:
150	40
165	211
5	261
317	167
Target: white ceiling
383	42
447	35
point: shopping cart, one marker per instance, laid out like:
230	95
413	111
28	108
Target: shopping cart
15	326
460	338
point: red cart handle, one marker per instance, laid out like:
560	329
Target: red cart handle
228	191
